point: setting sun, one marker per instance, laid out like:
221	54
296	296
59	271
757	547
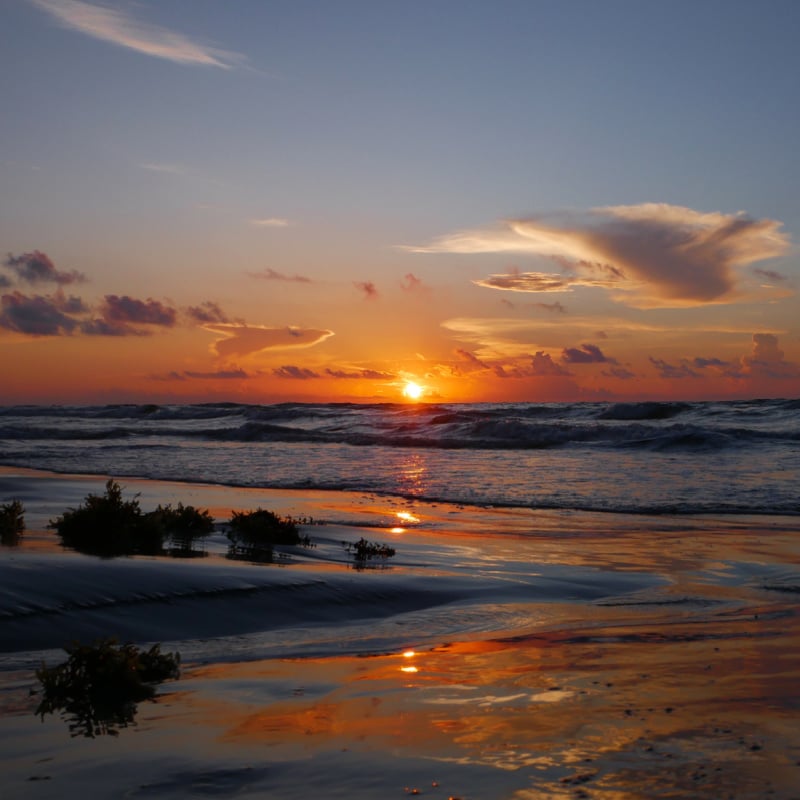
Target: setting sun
413	391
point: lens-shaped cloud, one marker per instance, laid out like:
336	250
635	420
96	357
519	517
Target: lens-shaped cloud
649	254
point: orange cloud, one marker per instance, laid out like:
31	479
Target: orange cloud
242	340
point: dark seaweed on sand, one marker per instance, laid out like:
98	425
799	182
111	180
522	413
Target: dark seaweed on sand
12	522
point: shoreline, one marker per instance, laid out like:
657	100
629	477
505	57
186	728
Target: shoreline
554	654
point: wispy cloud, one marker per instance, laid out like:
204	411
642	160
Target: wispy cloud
271	222
368	288
242	340
117	27
271	275
651	254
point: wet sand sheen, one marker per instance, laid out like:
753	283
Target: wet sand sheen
503	654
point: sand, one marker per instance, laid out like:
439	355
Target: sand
502	653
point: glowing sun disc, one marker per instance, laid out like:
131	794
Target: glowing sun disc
413	391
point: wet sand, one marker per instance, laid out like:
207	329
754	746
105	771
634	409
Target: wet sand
500	654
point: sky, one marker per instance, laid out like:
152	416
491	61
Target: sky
315	200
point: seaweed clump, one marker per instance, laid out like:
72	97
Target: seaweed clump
98	688
107	525
183	525
12	523
253	534
364	550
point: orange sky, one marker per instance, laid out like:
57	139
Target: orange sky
266	205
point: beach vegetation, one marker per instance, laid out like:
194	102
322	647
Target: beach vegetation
255	533
364	550
12	522
183	525
98	688
107	525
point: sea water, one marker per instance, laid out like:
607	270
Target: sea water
738	457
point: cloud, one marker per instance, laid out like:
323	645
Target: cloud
295	373
587	354
272	275
206	312
471	360
369	289
36	267
621	373
770	274
241	340
359	374
411	283
39	315
673	371
119	316
125	309
271	222
233	373
538	282
766	359
117	27
222	374
651	254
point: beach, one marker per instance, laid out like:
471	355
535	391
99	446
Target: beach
501	653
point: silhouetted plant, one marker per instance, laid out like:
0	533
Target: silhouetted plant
107	525
253	534
364	550
182	525
12	522
98	688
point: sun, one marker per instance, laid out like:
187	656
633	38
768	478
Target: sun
413	391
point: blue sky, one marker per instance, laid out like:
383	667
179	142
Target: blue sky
173	151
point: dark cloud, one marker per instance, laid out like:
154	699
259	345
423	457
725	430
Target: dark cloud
587	354
360	374
620	373
769	274
37	315
704	363
368	288
673	371
127	309
295	373
206	312
222	374
556	307
5	281
36	267
272	275
242	340
543	364
471	359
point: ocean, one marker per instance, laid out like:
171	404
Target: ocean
735	458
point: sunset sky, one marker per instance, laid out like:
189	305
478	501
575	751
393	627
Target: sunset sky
260	201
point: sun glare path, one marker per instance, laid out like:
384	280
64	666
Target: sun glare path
413	391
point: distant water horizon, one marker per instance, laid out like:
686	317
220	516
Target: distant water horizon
671	457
